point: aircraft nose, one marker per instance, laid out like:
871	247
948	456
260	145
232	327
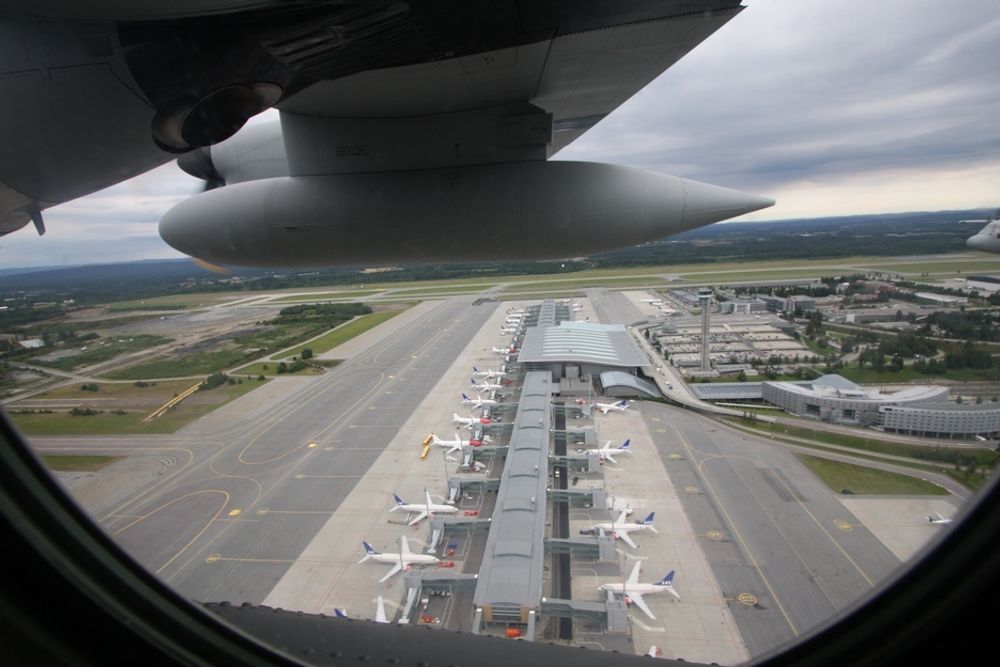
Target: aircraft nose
705	203
974	242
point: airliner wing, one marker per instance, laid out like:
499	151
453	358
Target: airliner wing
395	568
633	577
380	611
637	600
568	60
417	518
627	540
609	457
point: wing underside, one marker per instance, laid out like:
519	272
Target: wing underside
637	600
523	101
624	537
395	568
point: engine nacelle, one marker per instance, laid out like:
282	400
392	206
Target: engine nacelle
510	211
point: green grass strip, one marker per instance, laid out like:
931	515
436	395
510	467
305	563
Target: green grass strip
862	480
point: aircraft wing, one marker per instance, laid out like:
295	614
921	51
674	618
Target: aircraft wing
416	519
395	568
380	616
633	577
637	600
609	457
566	63
627	540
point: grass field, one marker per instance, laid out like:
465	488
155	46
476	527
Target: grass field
152	394
270	369
579	283
63	463
343	333
103	349
862	480
226	354
447	289
176	301
130	421
323	296
941	455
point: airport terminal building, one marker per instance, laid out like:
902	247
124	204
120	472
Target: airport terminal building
836	399
580	350
942	420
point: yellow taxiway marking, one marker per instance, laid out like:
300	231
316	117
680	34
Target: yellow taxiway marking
749	599
235	512
843	525
312	445
739	537
714	535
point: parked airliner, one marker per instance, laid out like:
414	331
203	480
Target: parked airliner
422	510
620	529
633	591
402	560
620	406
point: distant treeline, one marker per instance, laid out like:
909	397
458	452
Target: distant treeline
891	234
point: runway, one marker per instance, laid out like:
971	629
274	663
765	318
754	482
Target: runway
232	509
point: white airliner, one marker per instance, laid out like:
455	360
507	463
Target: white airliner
620	529
987	239
478	402
469	422
485	386
608	453
940	519
423	510
489	373
402	560
620	406
502	350
452	445
633	591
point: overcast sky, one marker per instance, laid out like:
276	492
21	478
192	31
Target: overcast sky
831	107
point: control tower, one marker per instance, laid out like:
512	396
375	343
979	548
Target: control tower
705	299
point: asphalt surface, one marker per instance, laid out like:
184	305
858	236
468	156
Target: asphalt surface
232	509
786	553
